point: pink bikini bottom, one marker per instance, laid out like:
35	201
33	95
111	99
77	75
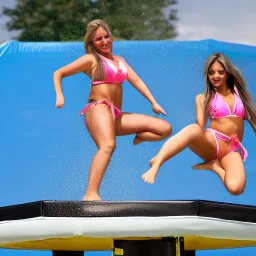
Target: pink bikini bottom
114	110
236	145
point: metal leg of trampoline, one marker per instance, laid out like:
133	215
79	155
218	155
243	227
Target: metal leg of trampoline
169	246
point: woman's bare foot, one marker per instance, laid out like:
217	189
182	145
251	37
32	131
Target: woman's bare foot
91	197
211	165
137	140
150	175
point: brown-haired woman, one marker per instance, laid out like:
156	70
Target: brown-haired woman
227	103
103	117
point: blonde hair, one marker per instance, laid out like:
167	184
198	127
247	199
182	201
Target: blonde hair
235	79
92	27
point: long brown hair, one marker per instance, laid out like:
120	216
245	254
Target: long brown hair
235	79
92	27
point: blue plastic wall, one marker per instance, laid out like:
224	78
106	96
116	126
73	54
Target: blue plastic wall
45	152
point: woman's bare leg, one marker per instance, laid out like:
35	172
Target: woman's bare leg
192	136
146	128
235	177
214	165
100	124
231	171
230	168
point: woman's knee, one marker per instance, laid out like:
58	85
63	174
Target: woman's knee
235	187
108	146
165	129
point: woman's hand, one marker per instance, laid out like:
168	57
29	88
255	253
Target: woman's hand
158	109
59	101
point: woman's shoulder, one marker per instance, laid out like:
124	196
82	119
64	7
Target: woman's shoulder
200	97
89	57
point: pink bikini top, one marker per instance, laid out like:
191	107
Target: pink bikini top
220	109
113	75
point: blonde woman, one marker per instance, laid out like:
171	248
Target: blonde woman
103	116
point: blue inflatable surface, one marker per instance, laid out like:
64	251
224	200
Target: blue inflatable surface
46	152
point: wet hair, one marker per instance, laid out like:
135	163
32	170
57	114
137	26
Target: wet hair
92	27
235	79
